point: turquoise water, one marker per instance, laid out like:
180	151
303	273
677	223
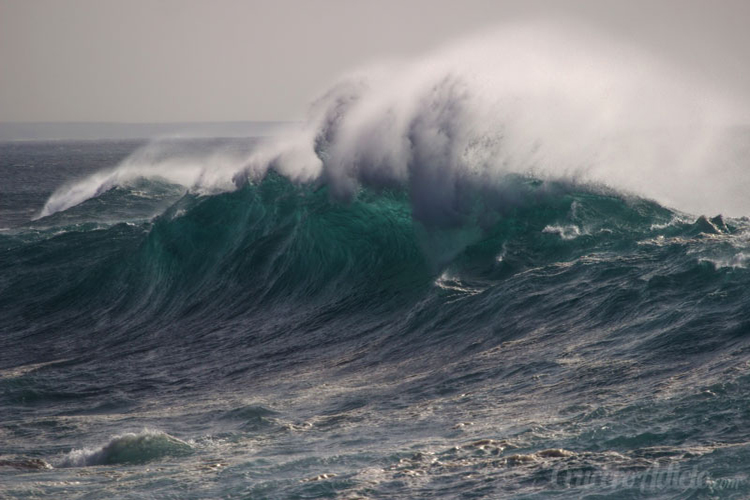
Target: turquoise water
543	339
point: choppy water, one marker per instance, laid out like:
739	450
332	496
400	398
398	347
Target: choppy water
272	342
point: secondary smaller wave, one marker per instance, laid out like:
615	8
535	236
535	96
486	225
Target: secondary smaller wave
129	448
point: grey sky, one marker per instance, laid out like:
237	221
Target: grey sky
220	60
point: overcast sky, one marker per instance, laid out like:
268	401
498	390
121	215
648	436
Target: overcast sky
222	60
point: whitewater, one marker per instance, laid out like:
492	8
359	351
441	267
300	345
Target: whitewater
514	267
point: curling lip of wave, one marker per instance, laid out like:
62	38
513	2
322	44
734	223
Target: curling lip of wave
201	173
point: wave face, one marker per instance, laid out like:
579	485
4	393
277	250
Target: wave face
328	348
424	291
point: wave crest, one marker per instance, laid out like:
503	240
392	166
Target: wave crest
527	100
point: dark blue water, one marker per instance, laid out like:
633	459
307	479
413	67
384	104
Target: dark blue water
272	342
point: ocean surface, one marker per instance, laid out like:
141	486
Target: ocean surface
277	341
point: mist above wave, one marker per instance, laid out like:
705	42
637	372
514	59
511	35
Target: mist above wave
538	99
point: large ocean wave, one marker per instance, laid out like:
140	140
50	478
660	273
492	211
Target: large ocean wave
467	275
